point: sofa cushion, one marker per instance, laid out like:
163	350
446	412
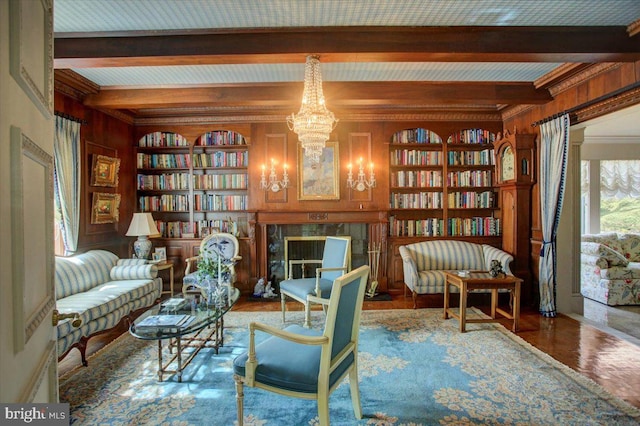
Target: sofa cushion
603	251
134	272
102	300
631	271
82	272
630	246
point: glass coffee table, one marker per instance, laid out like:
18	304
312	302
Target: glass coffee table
184	326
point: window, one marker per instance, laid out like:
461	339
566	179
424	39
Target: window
618	196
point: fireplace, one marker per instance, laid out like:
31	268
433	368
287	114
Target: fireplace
301	233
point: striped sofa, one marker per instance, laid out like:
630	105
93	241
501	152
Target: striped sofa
103	291
424	263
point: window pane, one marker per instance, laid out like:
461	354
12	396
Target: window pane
620	196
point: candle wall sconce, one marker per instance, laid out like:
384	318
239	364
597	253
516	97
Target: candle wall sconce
361	183
273	184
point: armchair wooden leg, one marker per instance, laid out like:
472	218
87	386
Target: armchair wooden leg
355	393
307	315
240	401
283	304
323	407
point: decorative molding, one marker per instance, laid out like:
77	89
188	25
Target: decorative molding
634	28
559	74
582	77
26	322
46	367
349	116
515	110
37	84
73	84
612	104
318	216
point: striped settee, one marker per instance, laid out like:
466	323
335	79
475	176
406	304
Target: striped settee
424	263
103	290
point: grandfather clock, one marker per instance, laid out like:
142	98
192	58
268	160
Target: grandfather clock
514	169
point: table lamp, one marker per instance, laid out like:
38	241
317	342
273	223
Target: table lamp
143	227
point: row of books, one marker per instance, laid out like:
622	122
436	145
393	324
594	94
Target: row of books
215	202
221	159
415	157
420	200
474	226
164	203
221	137
418	135
220	181
416	178
163	182
163	161
472	158
174	229
471	200
222	224
432	227
472	136
162	140
470	178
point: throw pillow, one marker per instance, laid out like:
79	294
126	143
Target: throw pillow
612	257
134	272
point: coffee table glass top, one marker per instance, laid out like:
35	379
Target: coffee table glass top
179	320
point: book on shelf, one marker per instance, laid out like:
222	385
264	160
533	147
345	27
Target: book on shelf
165	322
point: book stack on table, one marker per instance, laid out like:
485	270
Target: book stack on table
174	304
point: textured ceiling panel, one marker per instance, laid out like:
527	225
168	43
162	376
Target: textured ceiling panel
125	15
251	73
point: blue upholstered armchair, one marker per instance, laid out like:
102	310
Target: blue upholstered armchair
334	263
305	363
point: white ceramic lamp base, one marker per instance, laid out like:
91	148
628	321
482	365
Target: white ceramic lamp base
142	247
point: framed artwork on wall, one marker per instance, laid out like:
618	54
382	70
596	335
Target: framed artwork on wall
104	171
105	208
319	181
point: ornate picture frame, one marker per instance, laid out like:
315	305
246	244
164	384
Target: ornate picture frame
104	171
319	181
105	208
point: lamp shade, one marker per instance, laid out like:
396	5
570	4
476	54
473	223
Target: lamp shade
142	224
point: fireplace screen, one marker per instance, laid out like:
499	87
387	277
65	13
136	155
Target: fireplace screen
306	241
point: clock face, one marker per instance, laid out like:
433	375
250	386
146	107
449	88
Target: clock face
508	166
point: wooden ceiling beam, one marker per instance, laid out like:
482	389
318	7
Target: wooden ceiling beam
338	94
349	44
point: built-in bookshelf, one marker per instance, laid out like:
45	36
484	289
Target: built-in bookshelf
193	188
442	189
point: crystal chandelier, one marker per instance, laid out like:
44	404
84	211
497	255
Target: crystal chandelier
314	122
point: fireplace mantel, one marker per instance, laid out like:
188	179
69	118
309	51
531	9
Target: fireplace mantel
321	216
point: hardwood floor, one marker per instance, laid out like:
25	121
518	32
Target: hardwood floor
606	359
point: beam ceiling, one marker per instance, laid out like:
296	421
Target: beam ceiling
338	44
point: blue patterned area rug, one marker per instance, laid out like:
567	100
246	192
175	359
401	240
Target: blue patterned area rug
415	369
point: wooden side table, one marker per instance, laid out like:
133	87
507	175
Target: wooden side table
479	280
164	266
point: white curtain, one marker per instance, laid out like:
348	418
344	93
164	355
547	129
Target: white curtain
620	179
66	154
554	151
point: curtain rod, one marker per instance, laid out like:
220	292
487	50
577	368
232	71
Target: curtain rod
587	104
70	117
